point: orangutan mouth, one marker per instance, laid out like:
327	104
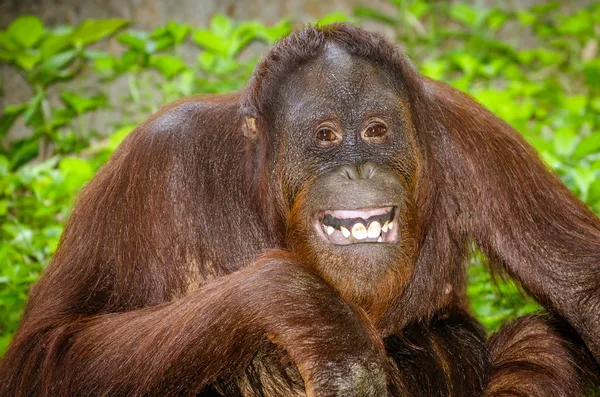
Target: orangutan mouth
344	227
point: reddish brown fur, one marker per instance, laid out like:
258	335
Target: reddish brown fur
537	357
114	315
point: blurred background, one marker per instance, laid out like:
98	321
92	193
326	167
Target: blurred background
77	76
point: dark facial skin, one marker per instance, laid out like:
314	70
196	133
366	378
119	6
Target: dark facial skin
347	154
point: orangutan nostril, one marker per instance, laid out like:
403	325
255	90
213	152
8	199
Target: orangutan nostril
350	172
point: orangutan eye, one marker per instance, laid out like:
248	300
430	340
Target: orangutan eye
326	134
375	131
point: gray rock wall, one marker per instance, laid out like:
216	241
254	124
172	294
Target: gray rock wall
150	13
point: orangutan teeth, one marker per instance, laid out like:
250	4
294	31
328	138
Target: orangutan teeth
345	231
343	227
359	231
374	230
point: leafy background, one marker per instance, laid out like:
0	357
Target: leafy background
549	90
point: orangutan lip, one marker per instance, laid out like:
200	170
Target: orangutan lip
344	227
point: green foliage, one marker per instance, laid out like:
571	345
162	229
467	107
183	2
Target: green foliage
549	90
35	202
45	57
494	300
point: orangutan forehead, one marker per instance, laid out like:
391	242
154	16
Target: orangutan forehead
339	73
337	78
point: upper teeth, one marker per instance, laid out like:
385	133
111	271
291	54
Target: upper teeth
355	226
374	230
359	231
345	231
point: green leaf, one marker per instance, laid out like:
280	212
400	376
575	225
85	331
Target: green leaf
55	43
552	160
434	68
241	38
333	17
53	68
575	104
592	73
161	39
92	30
15	109
115	139
178	31
526	18
463	13
4	166
22	235
160	31
130	60
274	33
244	34
583	179
162	43
545	7
549	57
209	41
76	172
88	53
539	144
81	104
7	42
418	8
496	19
105	65
33	113
580	23
168	65
10	114
61	117
27	59
466	62
367	12
23	151
186	82
221	26
594	190
588	145
207	60
5	56
565	140
26	30
136	39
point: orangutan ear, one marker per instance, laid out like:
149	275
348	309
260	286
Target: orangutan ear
249	128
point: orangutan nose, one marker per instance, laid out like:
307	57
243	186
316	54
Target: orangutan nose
363	171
